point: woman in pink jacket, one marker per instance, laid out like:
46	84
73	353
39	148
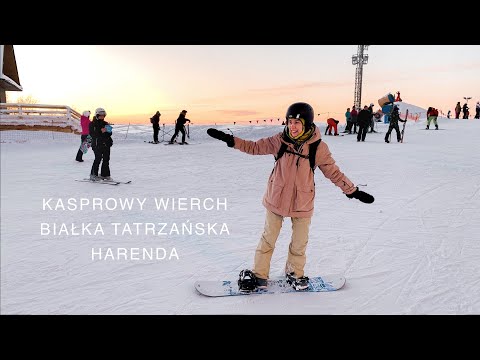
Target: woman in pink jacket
290	191
85	123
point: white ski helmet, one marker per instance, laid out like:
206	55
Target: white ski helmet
100	111
86	113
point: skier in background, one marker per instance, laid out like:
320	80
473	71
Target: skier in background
432	114
477	110
180	127
101	143
364	120
394	119
354	115
465	111
155	120
458	108
348	120
332	124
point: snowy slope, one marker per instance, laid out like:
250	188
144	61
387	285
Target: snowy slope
414	251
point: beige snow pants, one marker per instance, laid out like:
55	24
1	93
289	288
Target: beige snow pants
296	251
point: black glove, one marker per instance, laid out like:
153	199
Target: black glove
220	135
362	196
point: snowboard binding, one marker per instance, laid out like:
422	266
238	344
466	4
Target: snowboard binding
247	281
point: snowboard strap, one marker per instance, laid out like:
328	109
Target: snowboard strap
247	281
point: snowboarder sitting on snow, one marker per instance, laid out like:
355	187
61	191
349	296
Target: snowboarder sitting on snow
332	124
101	144
394	119
291	190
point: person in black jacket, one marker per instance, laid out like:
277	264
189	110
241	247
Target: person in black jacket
363	120
180	127
155	120
394	119
101	134
465	109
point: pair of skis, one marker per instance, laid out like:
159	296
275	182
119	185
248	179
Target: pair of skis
105	182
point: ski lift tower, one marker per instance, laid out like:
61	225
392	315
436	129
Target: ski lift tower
360	59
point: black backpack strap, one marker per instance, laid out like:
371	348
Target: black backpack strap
281	151
312	151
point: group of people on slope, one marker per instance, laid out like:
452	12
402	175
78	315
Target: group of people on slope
466	111
363	119
353	119
179	127
97	134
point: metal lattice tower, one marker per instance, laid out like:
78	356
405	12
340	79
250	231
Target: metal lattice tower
360	59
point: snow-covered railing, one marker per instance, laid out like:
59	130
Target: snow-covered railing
36	115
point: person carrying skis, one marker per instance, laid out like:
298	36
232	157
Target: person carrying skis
101	143
394	119
291	189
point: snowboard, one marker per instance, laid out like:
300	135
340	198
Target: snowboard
86	144
216	288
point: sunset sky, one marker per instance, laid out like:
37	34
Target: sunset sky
241	83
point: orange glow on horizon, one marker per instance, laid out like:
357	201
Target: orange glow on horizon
226	84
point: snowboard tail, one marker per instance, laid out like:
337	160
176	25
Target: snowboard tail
280	285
